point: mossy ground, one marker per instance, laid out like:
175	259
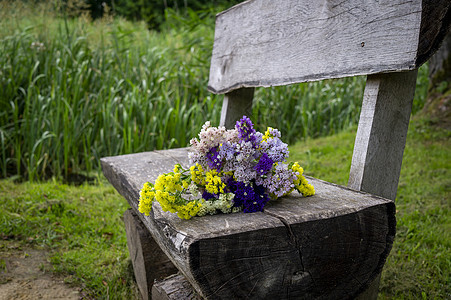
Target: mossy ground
82	229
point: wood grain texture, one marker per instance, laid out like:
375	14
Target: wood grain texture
236	104
382	132
270	42
329	246
175	287
149	262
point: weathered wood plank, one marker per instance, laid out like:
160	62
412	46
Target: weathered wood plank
269	42
236	104
276	253
175	287
149	262
382	132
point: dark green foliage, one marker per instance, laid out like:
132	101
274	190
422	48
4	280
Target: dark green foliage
153	12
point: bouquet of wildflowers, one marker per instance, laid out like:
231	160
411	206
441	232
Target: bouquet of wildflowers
232	170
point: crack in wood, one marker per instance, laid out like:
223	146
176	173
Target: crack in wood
250	292
298	247
226	282
291	236
135	255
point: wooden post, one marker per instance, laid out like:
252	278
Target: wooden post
381	138
149	262
381	135
236	104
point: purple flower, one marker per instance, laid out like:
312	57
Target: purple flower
227	151
264	164
246	130
274	132
257	202
214	159
276	149
206	195
241	191
250	196
244	172
279	182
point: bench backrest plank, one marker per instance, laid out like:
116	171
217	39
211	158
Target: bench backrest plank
267	42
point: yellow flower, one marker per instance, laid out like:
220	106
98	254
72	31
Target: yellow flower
214	183
188	210
185	184
160	182
301	184
197	174
267	135
146	196
167	191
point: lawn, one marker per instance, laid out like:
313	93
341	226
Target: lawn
81	226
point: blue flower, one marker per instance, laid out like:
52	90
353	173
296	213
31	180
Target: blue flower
246	131
206	195
214	159
264	164
257	202
251	197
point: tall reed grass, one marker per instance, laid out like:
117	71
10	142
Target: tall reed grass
74	90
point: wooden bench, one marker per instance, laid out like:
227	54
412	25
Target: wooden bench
334	244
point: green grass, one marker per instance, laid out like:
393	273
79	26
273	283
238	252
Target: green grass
420	263
74	90
82	226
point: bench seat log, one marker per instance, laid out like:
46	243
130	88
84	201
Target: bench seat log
331	245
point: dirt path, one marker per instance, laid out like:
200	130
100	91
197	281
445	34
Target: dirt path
25	274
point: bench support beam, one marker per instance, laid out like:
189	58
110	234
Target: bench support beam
236	104
381	139
381	135
149	261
